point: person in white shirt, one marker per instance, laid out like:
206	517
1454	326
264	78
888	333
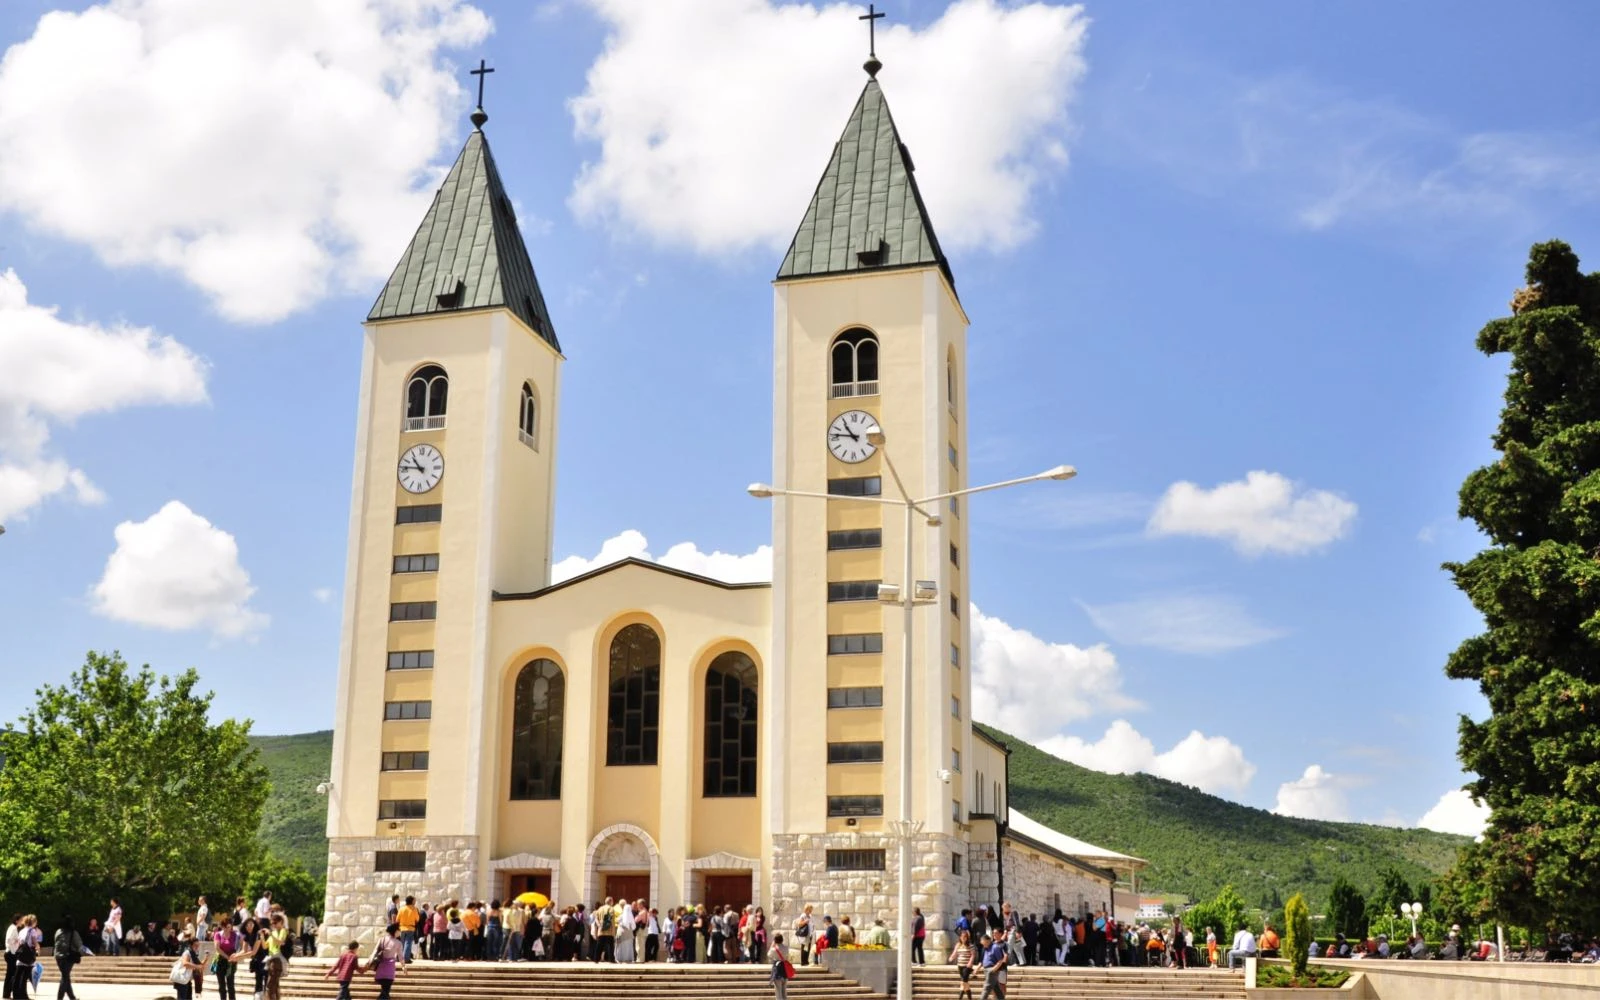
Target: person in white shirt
13	942
264	905
113	931
202	921
1244	946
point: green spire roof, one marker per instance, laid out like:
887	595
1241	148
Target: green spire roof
468	253
866	213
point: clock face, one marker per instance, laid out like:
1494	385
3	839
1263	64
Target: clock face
421	468
847	436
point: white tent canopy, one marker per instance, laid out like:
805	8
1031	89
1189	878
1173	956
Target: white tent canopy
1026	826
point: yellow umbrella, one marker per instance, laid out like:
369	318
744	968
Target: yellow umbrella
533	899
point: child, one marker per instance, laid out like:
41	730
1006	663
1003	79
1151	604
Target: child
345	969
961	957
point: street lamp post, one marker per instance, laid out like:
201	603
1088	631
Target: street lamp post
908	595
1412	910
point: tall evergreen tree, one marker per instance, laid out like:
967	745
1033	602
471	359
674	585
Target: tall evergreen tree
1537	755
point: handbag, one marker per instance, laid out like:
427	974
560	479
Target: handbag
181	974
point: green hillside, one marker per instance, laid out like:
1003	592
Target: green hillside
295	821
1196	843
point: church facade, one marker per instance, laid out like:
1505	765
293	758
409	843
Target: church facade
639	731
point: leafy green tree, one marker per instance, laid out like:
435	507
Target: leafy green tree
1297	933
118	781
1537	585
1224	914
1393	890
291	885
1347	909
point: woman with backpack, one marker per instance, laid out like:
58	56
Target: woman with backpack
782	971
68	950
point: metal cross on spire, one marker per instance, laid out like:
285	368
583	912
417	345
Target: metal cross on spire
478	115
872	65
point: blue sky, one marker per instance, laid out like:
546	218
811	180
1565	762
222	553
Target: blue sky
1196	242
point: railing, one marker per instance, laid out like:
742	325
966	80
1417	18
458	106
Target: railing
844	390
527	439
425	423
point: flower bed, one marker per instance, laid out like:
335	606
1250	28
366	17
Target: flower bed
1283	977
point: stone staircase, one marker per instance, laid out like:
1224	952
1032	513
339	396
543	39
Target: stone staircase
520	980
940	982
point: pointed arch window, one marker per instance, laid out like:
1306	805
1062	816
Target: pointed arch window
427	392
528	418
633	709
950	382
539	716
731	717
854	361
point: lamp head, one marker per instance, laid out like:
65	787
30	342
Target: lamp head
889	593
877	438
1059	472
760	491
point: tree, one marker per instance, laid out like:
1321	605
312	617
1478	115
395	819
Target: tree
1347	909
1537	585
1393	890
292	886
1297	933
1224	914
117	781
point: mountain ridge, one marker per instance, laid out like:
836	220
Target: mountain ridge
1195	842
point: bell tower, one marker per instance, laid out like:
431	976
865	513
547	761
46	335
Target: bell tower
451	502
867	329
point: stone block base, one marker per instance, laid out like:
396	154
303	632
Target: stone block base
800	876
358	894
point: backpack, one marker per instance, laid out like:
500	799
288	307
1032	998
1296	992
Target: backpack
608	919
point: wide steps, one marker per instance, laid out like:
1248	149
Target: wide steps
1077	983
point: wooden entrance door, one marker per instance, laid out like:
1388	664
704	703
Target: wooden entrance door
723	891
628	886
520	882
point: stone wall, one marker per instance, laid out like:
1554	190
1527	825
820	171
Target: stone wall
800	876
983	875
1037	883
358	894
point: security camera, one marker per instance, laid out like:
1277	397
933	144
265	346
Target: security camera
323	787
944	775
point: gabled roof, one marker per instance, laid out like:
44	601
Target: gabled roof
630	561
867	213
468	253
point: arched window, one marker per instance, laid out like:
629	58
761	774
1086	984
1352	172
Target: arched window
426	395
731	705
633	711
540	709
855	364
528	418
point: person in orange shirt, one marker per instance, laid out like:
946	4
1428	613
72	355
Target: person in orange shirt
408	918
474	923
1269	942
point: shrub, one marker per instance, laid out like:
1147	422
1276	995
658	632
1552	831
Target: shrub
1297	933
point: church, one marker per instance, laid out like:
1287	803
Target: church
640	731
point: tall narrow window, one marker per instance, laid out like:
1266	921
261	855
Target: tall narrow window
855	364
950	383
731	711
634	708
528	418
539	711
426	395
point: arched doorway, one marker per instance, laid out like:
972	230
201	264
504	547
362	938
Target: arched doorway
623	864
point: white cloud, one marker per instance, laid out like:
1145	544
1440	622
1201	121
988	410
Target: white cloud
1316	794
1320	158
56	372
1264	512
175	570
715	117
753	567
323	595
268	153
1212	764
1182	623
1031	687
1456	812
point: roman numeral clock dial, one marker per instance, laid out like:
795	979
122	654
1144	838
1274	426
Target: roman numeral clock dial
421	468
847	436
